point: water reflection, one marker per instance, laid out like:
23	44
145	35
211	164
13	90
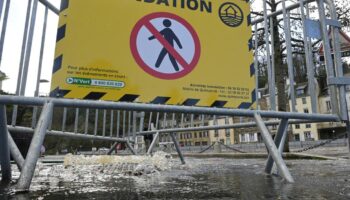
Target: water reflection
214	178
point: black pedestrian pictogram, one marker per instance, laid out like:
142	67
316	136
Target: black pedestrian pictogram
175	46
170	37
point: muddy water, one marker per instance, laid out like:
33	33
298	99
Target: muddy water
214	178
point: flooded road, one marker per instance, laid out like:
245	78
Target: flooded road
211	178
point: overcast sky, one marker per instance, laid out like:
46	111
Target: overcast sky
13	44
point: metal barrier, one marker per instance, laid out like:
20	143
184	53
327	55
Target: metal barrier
46	115
125	111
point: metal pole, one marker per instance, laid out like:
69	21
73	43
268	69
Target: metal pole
124	123
154	141
273	63
42	47
33	101
164	121
131	149
281	165
118	122
256	66
177	146
34	116
134	127
173	126
142	120
283	140
338	62
96	122
286	21
157	121
104	122
64	119
276	13
15	153
28	48
309	61
33	154
24	130
86	121
76	120
110	151
150	121
268	60
163	138
129	124
339	71
50	6
50	121
3	29
229	126
192	116
328	56
112	123
4	147
1	7
282	130
23	51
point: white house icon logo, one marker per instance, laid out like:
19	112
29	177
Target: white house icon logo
230	14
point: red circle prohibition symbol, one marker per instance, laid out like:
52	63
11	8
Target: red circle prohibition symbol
146	22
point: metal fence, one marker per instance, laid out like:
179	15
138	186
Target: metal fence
121	124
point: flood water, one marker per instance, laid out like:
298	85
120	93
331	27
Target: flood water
210	178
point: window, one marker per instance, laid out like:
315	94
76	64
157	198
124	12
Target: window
297	137
205	134
180	136
300	92
306	110
297	126
228	141
303	100
205	143
242	138
307	125
200	134
307	135
216	133
195	135
227	132
328	105
251	137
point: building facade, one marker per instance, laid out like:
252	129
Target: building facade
225	136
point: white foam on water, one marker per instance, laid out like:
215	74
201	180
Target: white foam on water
90	173
160	160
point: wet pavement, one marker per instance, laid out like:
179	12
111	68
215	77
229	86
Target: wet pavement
210	178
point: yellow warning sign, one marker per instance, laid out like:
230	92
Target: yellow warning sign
179	52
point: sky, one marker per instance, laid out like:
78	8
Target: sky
13	45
